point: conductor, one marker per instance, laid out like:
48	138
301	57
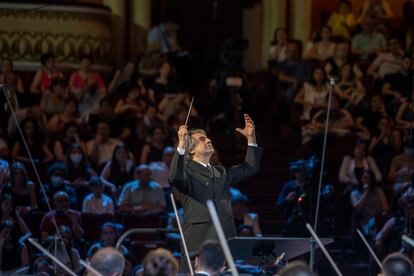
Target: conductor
198	181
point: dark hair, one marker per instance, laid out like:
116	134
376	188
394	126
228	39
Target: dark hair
346	2
318	34
55	167
105	100
37	135
58	81
115	166
87	57
312	81
211	256
352	74
10	197
17	166
45	57
396	264
8	223
68	162
243	227
372	180
68	125
95	181
278	29
116	226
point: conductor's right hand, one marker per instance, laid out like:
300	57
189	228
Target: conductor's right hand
183	137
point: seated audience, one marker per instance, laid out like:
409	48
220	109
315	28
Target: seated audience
397	264
277	48
34	112
70	136
79	170
44	76
242	216
153	150
369	204
11	79
133	104
322	48
210	259
160	262
402	162
398	87
100	148
352	167
53	101
342	21
341	57
97	202
388	62
118	170
385	144
164	36
13	253
164	83
292	71
142	196
109	236
349	89
62	215
117	122
379	10
160	169
108	261
8	212
312	96
57	182
87	86
22	189
405	115
57	123
39	150
368	42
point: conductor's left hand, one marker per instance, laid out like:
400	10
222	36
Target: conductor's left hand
249	130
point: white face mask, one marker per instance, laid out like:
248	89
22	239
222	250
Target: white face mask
76	158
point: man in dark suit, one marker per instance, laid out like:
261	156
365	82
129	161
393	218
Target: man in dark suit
198	182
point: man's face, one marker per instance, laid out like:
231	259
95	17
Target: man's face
292	51
203	145
144	175
85	65
103	129
61	202
395	47
108	236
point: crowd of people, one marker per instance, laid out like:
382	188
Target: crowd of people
362	69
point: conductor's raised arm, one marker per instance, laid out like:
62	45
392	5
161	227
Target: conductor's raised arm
177	176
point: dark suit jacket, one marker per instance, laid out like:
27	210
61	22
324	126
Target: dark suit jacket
198	184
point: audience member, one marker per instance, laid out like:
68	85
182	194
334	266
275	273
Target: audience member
312	96
79	170
142	196
388	62
322	47
278	45
342	21
53	101
118	170
397	264
57	122
210	259
160	262
70	136
87	86
160	169
13	253
108	261
61	215
352	167
341	57
164	37
22	189
242	216
44	76
153	150
109	236
100	148
97	202
8	212
377	10
349	89
368	42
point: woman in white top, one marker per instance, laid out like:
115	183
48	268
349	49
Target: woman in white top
323	48
278	46
313	93
352	167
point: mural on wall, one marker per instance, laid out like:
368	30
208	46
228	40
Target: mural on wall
67	31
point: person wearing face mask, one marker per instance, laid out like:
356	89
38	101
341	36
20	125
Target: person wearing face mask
63	215
57	182
79	169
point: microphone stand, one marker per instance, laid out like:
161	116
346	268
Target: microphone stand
318	198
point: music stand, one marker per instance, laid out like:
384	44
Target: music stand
255	248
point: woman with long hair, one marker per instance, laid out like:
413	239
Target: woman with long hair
8	212
154	149
79	169
118	170
13	253
349	89
70	136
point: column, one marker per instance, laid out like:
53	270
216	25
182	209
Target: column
301	20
